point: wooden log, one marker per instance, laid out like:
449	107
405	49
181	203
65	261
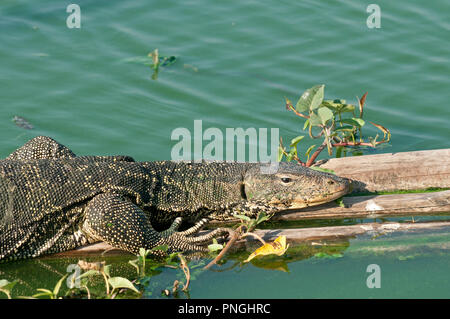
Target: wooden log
294	235
340	232
394	171
96	249
375	206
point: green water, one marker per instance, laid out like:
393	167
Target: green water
236	60
413	265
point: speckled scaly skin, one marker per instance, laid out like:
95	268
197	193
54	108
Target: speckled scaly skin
53	201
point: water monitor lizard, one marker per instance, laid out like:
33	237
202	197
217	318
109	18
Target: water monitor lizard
53	201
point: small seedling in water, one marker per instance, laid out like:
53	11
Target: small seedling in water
49	293
155	59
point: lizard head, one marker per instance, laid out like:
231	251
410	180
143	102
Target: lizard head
291	186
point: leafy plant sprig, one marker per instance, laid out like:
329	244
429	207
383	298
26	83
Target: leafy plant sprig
245	229
337	122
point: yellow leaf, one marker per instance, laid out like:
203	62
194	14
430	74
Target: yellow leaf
278	247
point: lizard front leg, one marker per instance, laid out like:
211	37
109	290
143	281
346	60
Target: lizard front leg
122	224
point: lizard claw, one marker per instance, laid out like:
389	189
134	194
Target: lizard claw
173	228
184	241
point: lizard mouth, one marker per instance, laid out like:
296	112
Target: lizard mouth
301	203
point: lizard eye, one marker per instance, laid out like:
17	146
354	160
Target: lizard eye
286	180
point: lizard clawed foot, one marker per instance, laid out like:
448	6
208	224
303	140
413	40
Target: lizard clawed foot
184	241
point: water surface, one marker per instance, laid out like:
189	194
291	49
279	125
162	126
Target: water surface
235	63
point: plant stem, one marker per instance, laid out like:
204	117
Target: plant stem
106	282
235	236
186	271
356	144
255	236
316	153
298	113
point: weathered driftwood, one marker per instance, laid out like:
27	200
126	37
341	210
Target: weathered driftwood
296	235
93	249
338	232
394	171
376	206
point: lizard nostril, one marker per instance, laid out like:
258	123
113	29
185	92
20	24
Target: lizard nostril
330	182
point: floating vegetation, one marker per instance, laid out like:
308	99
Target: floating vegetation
328	256
23	123
154	60
162	61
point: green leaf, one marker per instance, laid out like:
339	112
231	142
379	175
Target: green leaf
44	290
340	202
49	294
243	217
346	128
120	282
314	119
106	270
373	140
306	124
292	154
330	104
134	263
325	114
58	286
361	122
262	216
354	121
310	99
346	108
215	247
296	140
308	151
